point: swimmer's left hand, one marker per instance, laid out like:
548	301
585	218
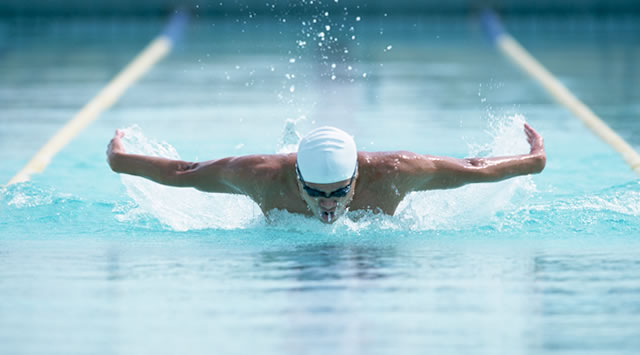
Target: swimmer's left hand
536	142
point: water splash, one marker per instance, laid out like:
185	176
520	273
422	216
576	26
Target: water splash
476	204
27	195
290	137
353	223
616	208
34	210
179	209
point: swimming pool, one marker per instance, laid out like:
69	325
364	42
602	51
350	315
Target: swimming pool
91	262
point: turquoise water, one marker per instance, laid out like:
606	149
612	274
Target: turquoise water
91	262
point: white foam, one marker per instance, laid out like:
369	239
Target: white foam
27	195
621	201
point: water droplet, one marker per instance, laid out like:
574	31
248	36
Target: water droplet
358	18
292	60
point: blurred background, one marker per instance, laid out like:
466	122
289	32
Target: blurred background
160	7
259	63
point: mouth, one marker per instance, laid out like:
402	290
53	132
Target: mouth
328	216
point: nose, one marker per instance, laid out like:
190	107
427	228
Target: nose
327	203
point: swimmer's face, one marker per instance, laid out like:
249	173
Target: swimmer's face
329	206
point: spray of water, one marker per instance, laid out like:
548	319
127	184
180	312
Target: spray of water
290	137
180	209
476	204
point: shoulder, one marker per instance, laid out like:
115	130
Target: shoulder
400	171
238	174
262	166
271	180
394	163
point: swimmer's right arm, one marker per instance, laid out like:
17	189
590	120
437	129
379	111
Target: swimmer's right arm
227	175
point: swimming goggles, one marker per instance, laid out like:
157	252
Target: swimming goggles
341	192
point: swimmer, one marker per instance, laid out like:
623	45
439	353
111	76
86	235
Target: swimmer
328	176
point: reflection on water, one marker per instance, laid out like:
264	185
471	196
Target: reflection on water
361	294
588	301
325	262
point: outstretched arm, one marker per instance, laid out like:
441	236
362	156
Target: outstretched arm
445	173
228	175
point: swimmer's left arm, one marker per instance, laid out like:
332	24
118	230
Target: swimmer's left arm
445	172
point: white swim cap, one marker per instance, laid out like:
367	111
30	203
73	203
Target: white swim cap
327	155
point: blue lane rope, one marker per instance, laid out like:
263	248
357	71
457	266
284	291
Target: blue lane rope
492	25
174	30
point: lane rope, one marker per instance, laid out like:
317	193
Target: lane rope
517	54
109	95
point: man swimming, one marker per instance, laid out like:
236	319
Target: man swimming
328	176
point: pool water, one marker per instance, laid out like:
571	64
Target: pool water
93	262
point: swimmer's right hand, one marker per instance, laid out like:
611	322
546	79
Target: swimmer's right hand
115	149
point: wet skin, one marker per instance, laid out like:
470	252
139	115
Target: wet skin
383	178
